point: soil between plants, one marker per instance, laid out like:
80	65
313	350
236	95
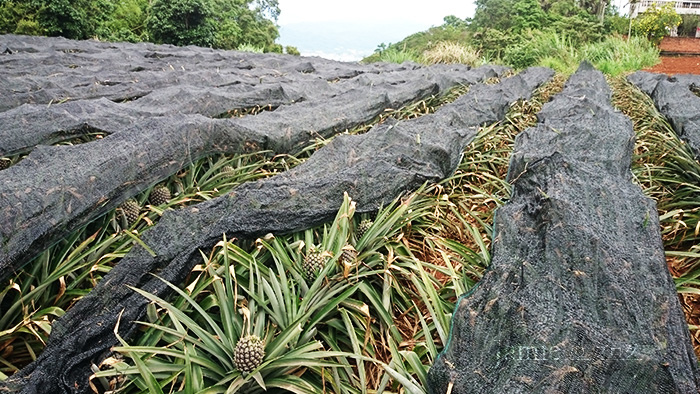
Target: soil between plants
680	55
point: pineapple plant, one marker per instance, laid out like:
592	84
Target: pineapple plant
314	262
363	227
130	211
248	354
159	195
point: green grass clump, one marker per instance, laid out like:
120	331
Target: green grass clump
393	55
616	55
613	56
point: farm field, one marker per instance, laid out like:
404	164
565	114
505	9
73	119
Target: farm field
323	216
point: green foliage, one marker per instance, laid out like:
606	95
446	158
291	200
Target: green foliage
72	19
537	45
579	29
419	42
689	24
452	21
524	33
616	24
493	14
615	55
527	15
224	24
492	43
181	22
229	33
656	23
250	48
28	27
127	22
394	55
254	28
19	18
291	50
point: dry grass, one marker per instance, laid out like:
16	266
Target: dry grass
450	52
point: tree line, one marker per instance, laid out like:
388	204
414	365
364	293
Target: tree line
222	24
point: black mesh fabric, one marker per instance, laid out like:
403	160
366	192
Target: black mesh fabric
373	168
158	106
578	298
677	99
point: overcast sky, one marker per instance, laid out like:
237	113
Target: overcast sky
351	30
428	12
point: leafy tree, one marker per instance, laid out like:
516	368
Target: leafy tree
75	19
616	23
493	14
257	30
454	22
527	15
181	22
246	22
223	24
229	34
19	18
655	23
126	23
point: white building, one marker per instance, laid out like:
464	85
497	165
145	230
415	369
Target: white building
681	7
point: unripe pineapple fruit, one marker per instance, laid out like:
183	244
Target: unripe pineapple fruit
249	353
159	195
348	256
227	170
363	227
131	210
4	163
314	263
